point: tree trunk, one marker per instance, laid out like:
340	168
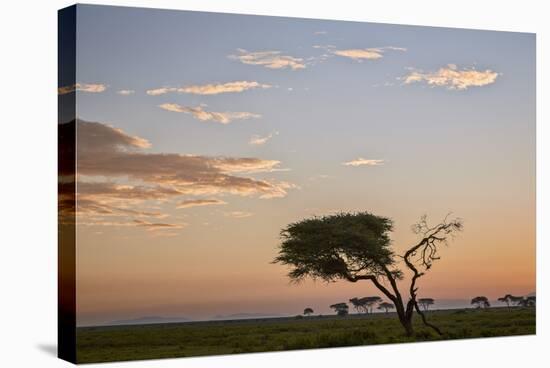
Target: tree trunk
404	318
407	325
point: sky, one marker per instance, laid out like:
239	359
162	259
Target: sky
202	135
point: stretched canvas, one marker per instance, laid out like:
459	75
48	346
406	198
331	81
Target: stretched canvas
237	183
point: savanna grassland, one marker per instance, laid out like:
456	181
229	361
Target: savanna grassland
170	340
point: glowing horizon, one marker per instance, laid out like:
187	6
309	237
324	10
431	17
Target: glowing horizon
201	135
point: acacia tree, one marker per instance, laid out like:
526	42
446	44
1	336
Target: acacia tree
358	304
517	300
370	302
529	301
308	311
481	302
385	306
357	247
425	303
506	299
341	309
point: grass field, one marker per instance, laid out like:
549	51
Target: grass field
103	344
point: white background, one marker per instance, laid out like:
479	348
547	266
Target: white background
28	179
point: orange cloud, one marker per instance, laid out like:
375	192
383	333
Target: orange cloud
200	203
210	89
200	114
82	87
257	140
116	178
269	59
453	78
363	162
238	214
372	53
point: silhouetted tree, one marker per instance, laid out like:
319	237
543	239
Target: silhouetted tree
385	306
341	309
370	302
529	301
425	303
517	300
356	247
506	299
357	305
480	302
308	311
511	300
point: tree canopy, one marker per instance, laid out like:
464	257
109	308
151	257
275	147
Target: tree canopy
480	302
308	311
340	308
426	302
385	306
342	246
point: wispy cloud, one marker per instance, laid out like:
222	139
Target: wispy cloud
200	114
152	226
238	214
119	181
108	152
126	92
200	203
372	53
318	33
82	87
257	140
269	59
452	77
211	89
363	162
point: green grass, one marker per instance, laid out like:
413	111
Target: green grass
103	344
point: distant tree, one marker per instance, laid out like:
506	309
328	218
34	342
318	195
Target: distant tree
506	299
529	301
385	306
357	305
356	247
511	300
517	300
341	309
480	302
425	303
308	311
370	302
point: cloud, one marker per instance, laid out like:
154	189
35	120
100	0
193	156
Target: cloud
363	162
210	89
82	87
119	181
318	33
161	91
200	203
200	114
452	78
269	59
358	54
113	167
238	214
126	92
365	54
257	140
97	137
152	226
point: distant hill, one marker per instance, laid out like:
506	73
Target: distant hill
148	320
247	316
